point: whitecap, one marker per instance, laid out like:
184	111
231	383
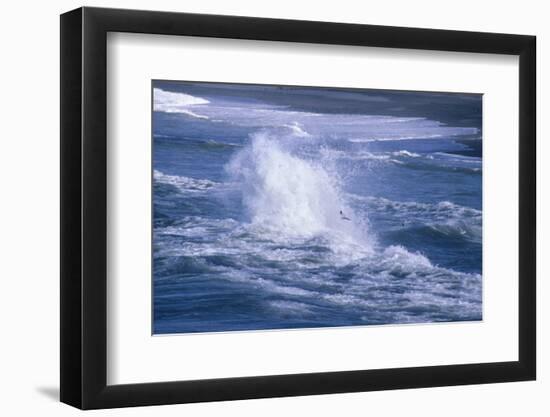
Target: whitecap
406	153
183	183
288	196
171	102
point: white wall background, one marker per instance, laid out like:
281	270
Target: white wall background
29	237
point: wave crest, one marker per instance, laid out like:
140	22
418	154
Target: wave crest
170	102
292	196
183	183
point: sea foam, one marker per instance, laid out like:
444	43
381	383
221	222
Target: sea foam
290	195
170	102
183	183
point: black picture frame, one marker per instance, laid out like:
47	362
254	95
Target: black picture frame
84	207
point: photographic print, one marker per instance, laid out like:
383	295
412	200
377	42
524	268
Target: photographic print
285	207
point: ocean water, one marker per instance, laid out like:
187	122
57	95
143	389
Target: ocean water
294	207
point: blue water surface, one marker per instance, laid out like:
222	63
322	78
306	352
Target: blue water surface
294	207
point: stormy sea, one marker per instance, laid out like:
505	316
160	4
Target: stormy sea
278	207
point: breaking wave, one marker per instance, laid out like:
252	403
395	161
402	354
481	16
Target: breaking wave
183	183
170	102
281	218
292	196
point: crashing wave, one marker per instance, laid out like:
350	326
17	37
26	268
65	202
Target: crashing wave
292	196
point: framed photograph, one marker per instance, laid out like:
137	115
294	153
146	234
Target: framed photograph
258	208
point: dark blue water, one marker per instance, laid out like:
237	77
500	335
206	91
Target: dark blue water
295	207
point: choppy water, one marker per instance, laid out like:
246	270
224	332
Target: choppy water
249	183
